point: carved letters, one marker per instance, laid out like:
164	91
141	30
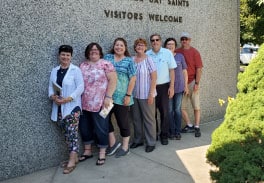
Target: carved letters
139	16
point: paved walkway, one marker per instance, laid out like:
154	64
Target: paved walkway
179	162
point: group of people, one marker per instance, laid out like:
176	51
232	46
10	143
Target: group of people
162	78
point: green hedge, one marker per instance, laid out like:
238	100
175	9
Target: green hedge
237	148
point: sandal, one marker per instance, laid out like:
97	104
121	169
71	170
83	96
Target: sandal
68	170
64	164
100	161
85	157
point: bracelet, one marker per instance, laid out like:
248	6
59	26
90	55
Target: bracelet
70	98
106	96
128	95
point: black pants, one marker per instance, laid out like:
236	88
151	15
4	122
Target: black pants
121	114
162	104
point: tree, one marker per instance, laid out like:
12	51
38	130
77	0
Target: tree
252	21
237	146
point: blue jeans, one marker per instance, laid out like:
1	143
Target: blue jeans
175	113
94	128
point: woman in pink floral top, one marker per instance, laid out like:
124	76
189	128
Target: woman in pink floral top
99	85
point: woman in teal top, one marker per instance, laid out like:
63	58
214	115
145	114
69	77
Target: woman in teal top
126	77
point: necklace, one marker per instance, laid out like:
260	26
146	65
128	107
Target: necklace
63	71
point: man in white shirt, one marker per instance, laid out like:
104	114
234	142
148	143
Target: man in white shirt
165	64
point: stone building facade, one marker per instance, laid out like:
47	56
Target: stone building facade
32	30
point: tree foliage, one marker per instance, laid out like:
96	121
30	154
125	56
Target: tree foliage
252	21
237	147
260	2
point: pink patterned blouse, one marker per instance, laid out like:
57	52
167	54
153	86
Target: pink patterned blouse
95	84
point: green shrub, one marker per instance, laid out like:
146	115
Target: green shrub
237	148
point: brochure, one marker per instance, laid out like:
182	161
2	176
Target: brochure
57	89
105	111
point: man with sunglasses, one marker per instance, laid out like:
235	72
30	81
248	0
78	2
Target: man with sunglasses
165	63
194	70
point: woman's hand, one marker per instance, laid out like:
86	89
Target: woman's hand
150	100
55	98
126	100
186	90
60	100
107	102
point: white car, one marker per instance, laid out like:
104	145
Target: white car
247	53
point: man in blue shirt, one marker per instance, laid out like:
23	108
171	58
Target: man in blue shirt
165	63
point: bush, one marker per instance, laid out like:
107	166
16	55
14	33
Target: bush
237	148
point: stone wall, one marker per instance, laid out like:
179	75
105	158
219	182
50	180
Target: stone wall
32	30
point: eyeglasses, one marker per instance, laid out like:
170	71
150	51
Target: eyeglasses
152	40
140	45
184	39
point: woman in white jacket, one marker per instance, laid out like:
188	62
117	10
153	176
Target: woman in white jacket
65	88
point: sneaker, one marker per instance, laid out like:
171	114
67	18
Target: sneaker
197	132
188	129
111	150
121	152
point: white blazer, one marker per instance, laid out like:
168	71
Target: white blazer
72	86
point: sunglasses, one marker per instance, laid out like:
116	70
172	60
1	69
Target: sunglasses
184	39
152	40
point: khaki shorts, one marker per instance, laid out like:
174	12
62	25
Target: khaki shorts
193	97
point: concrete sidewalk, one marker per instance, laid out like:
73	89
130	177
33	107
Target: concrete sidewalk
182	161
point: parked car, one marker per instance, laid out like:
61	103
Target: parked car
247	53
